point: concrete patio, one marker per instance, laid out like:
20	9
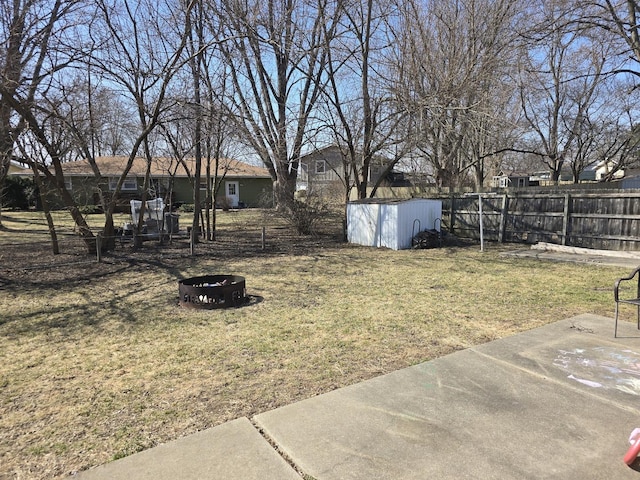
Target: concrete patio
556	402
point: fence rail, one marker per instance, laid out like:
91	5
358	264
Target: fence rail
608	221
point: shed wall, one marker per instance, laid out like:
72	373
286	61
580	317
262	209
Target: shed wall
391	224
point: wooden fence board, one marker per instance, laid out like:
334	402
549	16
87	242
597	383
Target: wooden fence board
608	221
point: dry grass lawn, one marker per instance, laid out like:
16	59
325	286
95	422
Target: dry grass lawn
97	361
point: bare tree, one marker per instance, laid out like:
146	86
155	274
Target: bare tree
37	43
41	39
220	139
621	18
455	61
362	113
275	60
617	131
560	79
139	49
217	138
94	123
98	117
28	146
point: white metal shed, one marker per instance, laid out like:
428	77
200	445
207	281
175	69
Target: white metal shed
391	223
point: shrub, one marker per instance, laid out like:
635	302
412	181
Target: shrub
89	209
304	215
18	192
224	203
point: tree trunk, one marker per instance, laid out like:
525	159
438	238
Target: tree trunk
55	247
284	188
137	238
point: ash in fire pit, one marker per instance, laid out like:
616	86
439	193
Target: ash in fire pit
212	291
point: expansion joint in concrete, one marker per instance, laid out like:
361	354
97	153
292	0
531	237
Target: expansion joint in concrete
280	451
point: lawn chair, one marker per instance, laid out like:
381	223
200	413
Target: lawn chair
633	301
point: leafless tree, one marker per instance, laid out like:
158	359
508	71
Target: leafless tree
217	138
560	78
41	40
455	64
361	112
275	59
98	117
199	124
618	131
138	48
622	19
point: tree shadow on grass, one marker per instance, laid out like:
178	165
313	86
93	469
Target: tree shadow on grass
117	288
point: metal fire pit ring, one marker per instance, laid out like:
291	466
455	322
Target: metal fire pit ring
212	291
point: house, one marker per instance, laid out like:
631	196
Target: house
510	180
321	168
242	184
18	168
523	179
588	174
604	168
543	178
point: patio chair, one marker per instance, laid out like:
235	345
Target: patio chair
633	301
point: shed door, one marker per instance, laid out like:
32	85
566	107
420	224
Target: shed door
232	191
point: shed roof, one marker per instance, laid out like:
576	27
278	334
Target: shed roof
387	201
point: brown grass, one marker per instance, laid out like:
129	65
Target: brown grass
98	361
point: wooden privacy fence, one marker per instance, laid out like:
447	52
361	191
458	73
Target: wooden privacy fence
607	221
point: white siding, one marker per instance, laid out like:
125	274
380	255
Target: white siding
391	224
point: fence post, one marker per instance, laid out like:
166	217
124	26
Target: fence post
452	211
99	247
566	220
264	237
481	223
503	218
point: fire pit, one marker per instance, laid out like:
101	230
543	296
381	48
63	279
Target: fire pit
212	291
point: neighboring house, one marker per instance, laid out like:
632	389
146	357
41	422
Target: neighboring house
522	179
604	168
320	168
326	166
243	185
18	168
510	180
588	174
631	180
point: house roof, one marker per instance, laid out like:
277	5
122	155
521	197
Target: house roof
334	152
512	174
16	167
160	167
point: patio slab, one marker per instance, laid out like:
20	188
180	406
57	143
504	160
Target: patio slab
540	404
234	450
556	402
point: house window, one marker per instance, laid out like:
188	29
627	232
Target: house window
521	182
68	184
320	166
231	188
129	184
